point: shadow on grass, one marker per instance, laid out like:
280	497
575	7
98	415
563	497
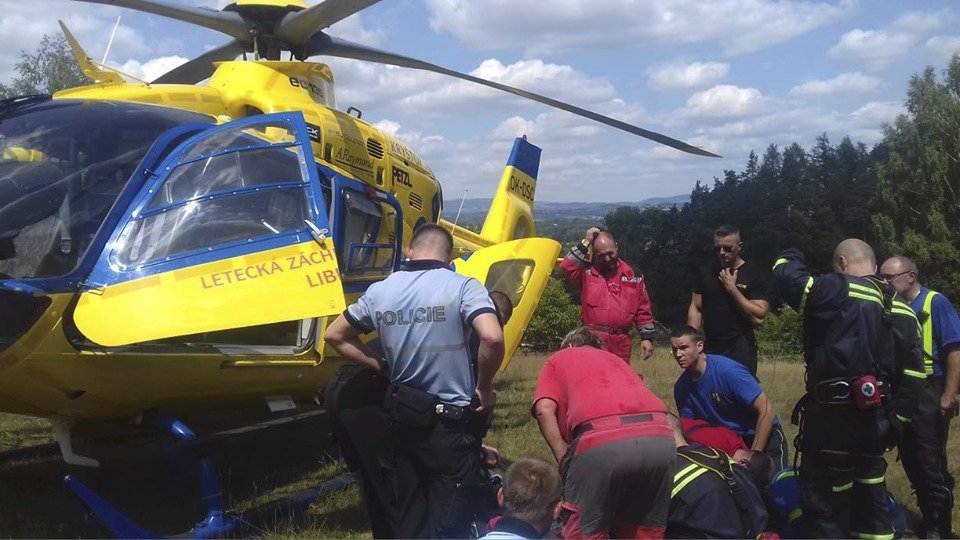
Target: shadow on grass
253	468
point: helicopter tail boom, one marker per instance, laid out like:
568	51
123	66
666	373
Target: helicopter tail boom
511	213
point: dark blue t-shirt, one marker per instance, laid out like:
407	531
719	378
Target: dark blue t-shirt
946	324
723	396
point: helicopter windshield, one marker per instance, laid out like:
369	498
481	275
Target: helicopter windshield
63	163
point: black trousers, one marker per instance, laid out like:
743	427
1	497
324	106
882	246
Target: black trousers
777	448
841	473
354	398
743	349
924	454
436	479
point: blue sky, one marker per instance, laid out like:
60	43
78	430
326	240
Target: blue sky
727	75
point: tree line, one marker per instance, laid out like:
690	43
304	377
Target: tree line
902	196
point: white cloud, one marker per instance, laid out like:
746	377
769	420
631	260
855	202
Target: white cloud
873	46
725	101
737	26
878	47
419	92
846	83
152	69
943	47
684	76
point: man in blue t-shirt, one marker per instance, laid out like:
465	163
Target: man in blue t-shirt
923	446
722	392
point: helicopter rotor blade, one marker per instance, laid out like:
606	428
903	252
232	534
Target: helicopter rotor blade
228	22
299	26
323	44
202	66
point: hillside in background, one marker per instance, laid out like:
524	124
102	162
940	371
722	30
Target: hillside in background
564	222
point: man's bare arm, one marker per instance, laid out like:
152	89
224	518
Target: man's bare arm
754	310
343	337
545	409
695	311
489	356
764	427
949	401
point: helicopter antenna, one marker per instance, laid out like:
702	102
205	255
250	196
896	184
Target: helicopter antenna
462	200
110	43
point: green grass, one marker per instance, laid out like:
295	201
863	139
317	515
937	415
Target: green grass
258	470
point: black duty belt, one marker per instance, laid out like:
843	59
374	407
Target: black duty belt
611	421
609	330
840	392
453	412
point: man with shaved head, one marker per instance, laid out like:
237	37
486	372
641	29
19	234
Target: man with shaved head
925	440
613	296
422	315
864	376
730	298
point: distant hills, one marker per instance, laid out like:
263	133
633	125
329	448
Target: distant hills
474	210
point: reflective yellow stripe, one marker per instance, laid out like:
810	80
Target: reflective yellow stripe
690	478
903	419
908	312
916	374
677	477
904	305
853	294
926	330
780	261
785	474
866	536
869	481
867	290
806	291
794	514
845	487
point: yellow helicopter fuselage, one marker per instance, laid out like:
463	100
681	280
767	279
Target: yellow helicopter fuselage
51	372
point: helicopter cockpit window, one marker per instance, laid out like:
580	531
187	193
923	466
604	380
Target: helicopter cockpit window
63	163
215	197
510	277
368	245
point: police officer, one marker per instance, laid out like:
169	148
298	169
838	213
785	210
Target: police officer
864	372
925	441
422	315
613	297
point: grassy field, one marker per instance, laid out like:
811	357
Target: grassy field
258	470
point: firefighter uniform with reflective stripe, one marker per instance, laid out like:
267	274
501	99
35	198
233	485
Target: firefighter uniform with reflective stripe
923	448
853	328
710	492
610	305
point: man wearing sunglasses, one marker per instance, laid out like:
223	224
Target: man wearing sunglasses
613	297
924	444
730	298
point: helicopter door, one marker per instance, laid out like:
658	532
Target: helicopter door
233	232
520	269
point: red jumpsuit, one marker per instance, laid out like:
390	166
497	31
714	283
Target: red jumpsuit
610	305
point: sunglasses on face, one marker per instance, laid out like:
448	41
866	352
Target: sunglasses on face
891	277
723	249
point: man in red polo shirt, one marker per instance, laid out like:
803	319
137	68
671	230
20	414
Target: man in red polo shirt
613	298
613	441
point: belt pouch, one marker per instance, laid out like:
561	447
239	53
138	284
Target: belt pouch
412	407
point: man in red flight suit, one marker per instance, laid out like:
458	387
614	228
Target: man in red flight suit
612	296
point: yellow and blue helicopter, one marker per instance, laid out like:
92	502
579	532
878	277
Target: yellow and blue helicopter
168	246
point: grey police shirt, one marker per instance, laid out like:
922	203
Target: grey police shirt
423	314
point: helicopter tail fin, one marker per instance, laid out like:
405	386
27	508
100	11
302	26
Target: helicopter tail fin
511	213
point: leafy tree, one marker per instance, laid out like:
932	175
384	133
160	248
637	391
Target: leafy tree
917	207
49	69
556	315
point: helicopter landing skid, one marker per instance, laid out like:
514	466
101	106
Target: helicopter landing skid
216	523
